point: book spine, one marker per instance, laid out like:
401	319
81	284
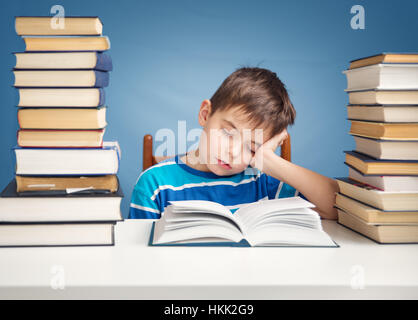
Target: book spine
18	117
104	62
102	99
17	135
102	79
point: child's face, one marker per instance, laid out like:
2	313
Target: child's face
228	142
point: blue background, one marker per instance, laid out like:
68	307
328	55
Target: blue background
169	56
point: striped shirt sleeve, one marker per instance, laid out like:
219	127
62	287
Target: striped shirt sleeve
278	189
142	206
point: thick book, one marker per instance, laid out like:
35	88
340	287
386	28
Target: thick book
31	25
396	97
381	130
62	118
66	185
368	165
385	182
57	234
61	78
63	60
373	215
379	233
383	77
61	97
387	149
386	57
383	200
50	138
383	113
67	43
65	161
278	222
54	207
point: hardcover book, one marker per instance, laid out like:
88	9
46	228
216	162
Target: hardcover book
31	25
66	43
383	200
387	149
61	78
62	118
396	97
383	113
57	234
385	182
47	185
51	206
385	57
285	222
385	131
50	138
368	165
373	215
61	97
380	233
383	77
63	60
64	161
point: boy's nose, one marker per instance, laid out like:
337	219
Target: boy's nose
234	152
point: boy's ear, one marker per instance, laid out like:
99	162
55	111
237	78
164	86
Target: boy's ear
204	112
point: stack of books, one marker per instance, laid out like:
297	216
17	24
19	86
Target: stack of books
66	191
379	199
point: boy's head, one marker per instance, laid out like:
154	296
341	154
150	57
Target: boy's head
251	106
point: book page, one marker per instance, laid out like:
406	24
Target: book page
193	232
201	205
189	220
257	210
194	207
283	222
279	234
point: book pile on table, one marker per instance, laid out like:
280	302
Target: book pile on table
379	199
65	191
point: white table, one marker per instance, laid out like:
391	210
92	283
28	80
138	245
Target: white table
359	269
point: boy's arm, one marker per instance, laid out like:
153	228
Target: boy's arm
142	205
318	189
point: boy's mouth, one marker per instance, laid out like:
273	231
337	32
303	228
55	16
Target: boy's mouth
224	164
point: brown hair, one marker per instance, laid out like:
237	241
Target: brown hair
260	96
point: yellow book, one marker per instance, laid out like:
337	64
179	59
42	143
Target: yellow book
372	215
385	58
385	131
380	233
368	165
50	26
67	43
62	118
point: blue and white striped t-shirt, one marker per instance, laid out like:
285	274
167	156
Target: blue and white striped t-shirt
172	180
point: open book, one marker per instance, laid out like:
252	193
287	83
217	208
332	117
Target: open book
278	222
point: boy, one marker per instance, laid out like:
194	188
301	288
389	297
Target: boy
234	164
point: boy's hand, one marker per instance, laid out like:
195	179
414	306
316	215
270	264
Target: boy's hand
267	148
